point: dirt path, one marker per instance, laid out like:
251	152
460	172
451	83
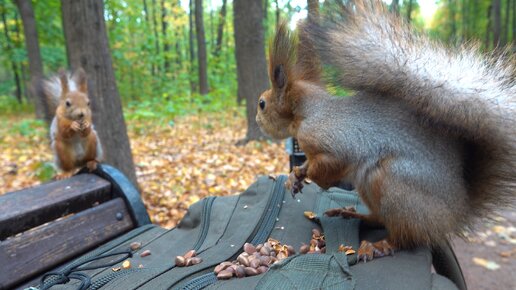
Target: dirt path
495	243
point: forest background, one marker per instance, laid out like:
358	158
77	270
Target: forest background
186	74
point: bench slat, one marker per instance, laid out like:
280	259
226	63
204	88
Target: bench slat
45	247
28	208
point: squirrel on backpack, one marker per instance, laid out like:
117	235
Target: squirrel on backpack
428	140
74	141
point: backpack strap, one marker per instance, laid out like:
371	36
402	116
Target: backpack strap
445	263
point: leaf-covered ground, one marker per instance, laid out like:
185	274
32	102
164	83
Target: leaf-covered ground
179	163
176	163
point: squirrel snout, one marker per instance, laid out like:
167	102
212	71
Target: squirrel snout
81	115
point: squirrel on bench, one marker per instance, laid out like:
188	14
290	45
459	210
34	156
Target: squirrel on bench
74	141
428	140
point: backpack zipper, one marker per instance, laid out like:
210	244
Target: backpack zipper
205	225
259	235
96	252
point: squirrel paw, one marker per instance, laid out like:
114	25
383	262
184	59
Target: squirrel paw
91	165
64	175
85	125
295	180
75	126
367	250
345	212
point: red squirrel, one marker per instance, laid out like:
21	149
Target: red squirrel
74	141
428	139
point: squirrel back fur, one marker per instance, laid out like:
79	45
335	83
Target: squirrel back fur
462	91
428	150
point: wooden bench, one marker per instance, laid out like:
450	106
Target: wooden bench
47	225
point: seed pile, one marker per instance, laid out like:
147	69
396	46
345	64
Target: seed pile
317	244
188	259
254	260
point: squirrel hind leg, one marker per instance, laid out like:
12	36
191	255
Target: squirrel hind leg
368	251
417	208
418	216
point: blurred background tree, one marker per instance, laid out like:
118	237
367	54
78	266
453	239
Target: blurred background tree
177	57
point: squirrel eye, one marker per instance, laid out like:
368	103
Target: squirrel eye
262	104
68	104
88	103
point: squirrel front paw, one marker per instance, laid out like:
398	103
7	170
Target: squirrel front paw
63	175
345	212
85	125
295	180
85	128
76	126
91	165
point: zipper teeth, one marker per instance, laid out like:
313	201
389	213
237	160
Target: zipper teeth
270	219
105	279
206	212
259	235
201	282
93	253
102	281
205	222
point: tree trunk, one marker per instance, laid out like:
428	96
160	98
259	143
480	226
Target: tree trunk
395	7
9	50
212	30
474	17
497	23
146	11
87	46
277	12
178	33
313	7
18	44
514	25
464	7
409	11
489	25
250	59
166	45
191	44
453	23
220	29
35	63
201	49
148	27
155	30
506	27
265	9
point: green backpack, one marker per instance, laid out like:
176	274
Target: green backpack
218	227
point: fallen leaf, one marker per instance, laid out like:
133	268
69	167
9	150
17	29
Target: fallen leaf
486	263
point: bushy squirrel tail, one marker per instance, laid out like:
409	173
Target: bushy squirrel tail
459	90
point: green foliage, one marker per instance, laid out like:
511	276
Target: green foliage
28	127
9	104
44	171
149	89
470	18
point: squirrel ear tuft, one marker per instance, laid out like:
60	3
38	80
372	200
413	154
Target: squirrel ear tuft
81	80
63	77
280	78
282	56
